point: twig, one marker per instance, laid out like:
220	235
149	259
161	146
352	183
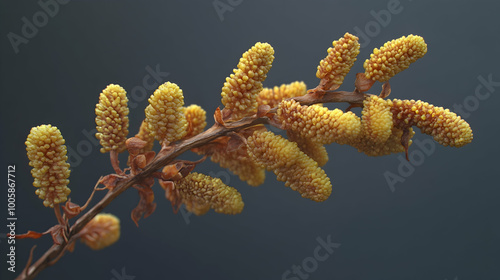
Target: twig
175	150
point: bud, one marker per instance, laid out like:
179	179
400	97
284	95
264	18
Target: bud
290	164
164	114
102	231
47	154
112	118
241	89
335	66
394	57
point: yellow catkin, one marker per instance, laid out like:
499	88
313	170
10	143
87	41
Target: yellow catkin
446	127
146	135
239	93
102	231
112	118
273	96
394	57
196	118
165	114
376	120
47	154
198	191
318	123
290	164
335	66
314	150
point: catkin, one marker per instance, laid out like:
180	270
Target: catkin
47	154
290	164
165	114
240	91
200	192
376	120
319	123
112	118
446	127
341	57
394	57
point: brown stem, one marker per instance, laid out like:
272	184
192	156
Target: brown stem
57	211
217	130
113	156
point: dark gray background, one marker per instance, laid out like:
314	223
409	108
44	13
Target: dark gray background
440	223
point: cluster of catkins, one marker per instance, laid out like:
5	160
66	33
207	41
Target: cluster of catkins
384	127
50	169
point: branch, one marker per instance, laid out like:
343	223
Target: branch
173	151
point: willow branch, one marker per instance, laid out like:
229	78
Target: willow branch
173	151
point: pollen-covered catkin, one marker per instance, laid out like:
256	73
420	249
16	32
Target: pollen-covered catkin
446	127
273	96
199	190
376	120
290	164
47	154
319	123
196	118
239	93
112	118
394	57
165	114
335	66
314	150
102	231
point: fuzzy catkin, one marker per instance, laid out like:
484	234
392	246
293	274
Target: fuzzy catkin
239	93
165	114
319	123
341	57
199	192
394	57
112	118
290	164
446	127
47	154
